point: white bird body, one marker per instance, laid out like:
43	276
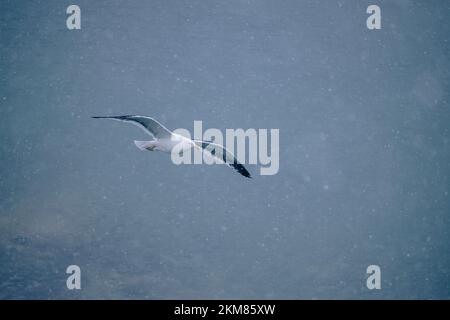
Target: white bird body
166	144
166	141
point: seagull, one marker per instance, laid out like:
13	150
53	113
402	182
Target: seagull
166	141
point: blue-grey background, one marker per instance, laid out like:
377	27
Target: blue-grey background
364	149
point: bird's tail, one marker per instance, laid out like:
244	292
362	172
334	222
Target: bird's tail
144	145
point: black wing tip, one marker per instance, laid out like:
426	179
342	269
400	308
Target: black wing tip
242	170
246	175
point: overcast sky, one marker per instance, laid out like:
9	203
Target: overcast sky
364	149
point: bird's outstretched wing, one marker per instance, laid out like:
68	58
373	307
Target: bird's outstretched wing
149	125
220	152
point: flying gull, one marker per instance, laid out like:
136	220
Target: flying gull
165	141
